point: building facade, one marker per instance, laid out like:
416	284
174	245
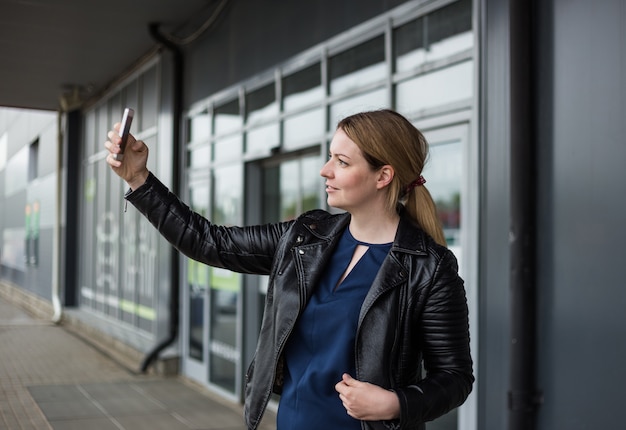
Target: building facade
523	112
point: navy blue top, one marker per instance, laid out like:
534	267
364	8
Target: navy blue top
321	346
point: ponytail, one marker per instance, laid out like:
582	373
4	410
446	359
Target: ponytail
421	207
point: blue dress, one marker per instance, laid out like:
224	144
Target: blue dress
321	347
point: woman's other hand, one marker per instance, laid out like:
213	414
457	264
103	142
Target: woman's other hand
367	402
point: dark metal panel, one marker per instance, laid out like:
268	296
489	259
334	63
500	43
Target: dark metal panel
582	129
71	160
494	297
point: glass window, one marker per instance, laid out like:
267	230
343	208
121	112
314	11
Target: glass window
306	128
261	105
442	33
358	66
16	177
300	89
199	156
118	270
128	276
289	198
368	101
291	188
227	118
452	84
303	88
200	127
444	174
408	45
227	191
449	29
228	148
262	139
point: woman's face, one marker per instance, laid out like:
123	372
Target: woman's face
351	184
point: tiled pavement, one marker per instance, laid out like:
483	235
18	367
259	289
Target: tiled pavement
51	379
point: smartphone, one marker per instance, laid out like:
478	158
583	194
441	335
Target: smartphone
127	119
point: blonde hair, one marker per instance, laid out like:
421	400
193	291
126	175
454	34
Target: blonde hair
387	138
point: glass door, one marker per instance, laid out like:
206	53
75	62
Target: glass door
450	180
224	340
280	190
195	299
211	299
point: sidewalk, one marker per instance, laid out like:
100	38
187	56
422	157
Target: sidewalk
51	379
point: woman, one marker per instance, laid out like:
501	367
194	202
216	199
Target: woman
357	301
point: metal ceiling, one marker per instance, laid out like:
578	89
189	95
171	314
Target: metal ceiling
52	47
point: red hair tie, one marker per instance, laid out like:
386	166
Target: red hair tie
416	183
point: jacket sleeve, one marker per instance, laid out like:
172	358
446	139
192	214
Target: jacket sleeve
240	249
446	350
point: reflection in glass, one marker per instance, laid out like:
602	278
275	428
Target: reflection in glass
261	105
442	33
408	45
263	138
310	181
444	172
291	188
199	156
302	88
225	285
223	344
227	182
198	280
306	127
449	29
452	84
200	127
369	101
227	117
228	148
358	66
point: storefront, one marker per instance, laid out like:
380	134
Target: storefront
252	154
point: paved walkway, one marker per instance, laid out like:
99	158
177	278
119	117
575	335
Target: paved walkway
51	379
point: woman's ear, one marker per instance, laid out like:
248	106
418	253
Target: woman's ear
385	176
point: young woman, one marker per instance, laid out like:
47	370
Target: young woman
358	303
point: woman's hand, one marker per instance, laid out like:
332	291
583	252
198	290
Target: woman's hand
133	169
367	402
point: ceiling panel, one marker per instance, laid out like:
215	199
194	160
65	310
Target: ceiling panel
47	46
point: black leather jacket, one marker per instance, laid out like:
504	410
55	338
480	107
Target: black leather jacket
415	311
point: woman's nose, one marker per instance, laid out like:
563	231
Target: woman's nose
325	171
